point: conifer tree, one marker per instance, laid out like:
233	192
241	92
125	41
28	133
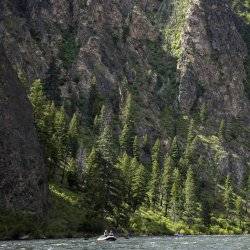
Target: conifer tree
106	144
176	197
124	165
190	205
73	134
38	101
175	151
102	189
136	148
239	207
128	131
44	114
138	183
228	196
167	180
248	193
60	139
154	185
189	158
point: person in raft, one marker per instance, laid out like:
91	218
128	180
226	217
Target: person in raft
106	233
111	233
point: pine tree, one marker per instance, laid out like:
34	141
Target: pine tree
102	187
167	182
106	145
189	158
154	185
190	205
60	139
124	165
128	131
129	110
175	151
176	197
44	114
73	134
155	155
239	207
248	193
136	148
38	101
228	196
138	183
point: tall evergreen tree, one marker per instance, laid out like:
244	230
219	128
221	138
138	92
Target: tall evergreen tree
38	101
167	181
136	148
176	203
228	196
60	139
239	208
106	145
155	181
128	131
175	151
138	183
124	165
248	193
102	191
44	114
190	205
73	134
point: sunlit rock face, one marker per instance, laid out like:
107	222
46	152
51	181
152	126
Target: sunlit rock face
212	62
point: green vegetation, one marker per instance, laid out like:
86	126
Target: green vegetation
178	191
173	31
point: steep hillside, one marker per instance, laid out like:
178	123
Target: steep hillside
168	73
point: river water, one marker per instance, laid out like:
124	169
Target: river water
161	243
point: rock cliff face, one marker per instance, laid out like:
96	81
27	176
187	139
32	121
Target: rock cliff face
23	181
212	75
121	45
212	62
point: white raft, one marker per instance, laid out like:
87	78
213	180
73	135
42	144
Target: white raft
107	238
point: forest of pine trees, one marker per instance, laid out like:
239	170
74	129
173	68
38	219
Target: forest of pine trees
115	182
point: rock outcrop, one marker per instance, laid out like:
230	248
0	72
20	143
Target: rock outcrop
212	62
212	75
23	180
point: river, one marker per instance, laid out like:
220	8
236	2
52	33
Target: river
161	243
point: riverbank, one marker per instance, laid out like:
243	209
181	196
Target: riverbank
67	219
